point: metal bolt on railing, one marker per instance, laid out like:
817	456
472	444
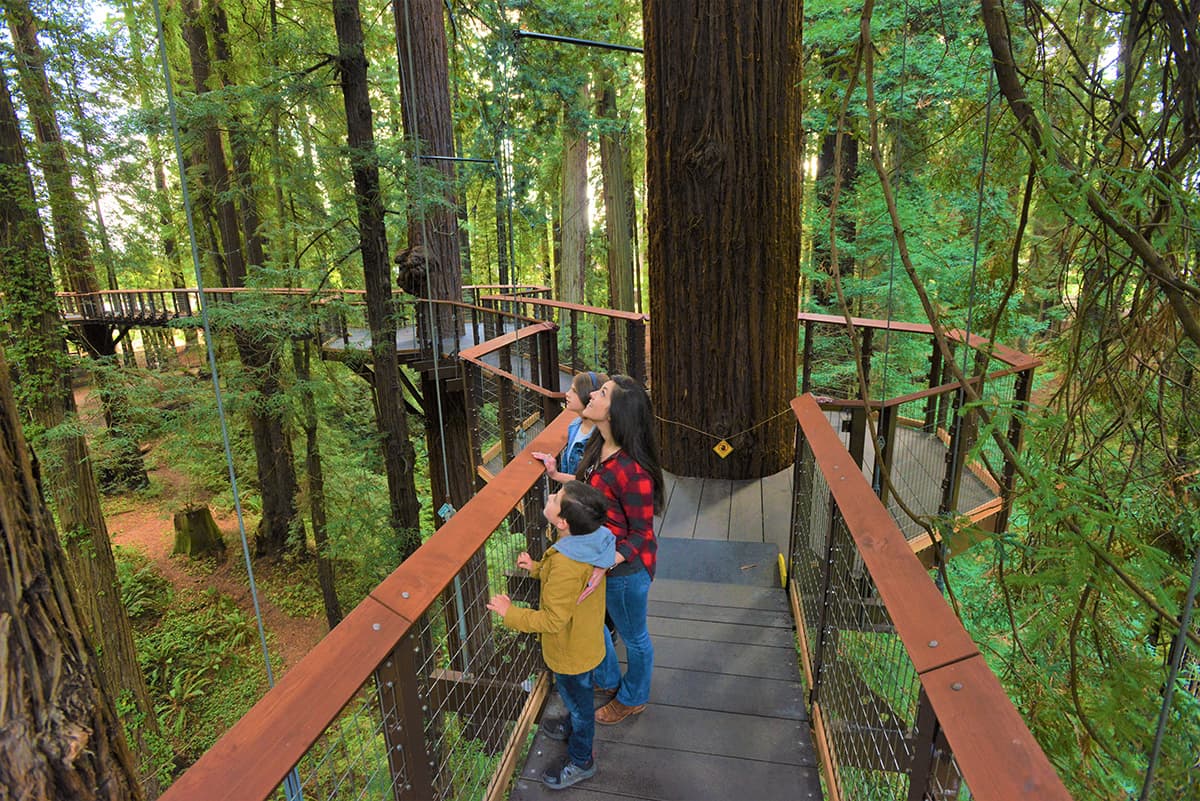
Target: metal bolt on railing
376	627
956	686
933	643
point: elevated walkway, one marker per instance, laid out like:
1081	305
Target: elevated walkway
726	717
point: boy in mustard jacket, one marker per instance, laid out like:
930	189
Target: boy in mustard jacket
572	641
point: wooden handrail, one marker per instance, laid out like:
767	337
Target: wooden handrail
475	354
1010	356
617	314
991	744
255	755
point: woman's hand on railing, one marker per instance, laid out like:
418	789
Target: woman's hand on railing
499	604
525	561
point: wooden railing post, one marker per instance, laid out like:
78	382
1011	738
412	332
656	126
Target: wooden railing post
932	776
573	321
400	701
931	404
1021	393
636	348
806	369
868	339
885	448
823	628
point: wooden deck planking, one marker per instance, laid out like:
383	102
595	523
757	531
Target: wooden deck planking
745	510
712	516
679	517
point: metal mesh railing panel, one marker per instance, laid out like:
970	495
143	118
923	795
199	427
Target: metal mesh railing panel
434	721
508	414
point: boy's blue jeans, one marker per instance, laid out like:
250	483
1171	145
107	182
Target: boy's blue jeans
627	601
576	693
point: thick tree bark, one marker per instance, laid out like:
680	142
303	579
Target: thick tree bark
429	127
59	733
39	354
390	414
575	225
272	447
618	200
723	144
433	225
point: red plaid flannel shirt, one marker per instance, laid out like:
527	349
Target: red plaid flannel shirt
630	492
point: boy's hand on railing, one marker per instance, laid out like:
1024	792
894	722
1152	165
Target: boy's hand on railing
592	584
525	561
499	604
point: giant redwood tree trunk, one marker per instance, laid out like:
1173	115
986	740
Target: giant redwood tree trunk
39	352
67	215
429	126
723	164
59	734
391	417
575	226
276	471
433	224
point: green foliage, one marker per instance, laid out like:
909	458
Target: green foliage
198	663
144	591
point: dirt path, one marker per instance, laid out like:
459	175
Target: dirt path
148	527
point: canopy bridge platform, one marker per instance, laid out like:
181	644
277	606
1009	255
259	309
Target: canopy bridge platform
844	676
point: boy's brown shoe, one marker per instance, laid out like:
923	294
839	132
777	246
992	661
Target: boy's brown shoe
614	712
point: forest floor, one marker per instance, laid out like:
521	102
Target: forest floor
145	522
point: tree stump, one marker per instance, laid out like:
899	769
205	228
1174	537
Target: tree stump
196	533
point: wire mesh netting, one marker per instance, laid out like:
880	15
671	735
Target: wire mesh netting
591	338
509	414
864	687
435	720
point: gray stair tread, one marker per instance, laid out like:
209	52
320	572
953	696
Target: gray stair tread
718	561
709	594
662	774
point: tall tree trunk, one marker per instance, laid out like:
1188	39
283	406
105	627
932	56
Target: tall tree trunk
272	447
61	737
316	483
391	416
575	225
66	212
724	226
429	127
39	354
242	173
823	291
162	198
504	274
618	199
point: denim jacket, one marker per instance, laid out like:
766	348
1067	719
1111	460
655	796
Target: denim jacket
573	452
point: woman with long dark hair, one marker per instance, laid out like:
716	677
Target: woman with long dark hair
623	464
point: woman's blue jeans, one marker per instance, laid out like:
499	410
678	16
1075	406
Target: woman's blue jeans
626	602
